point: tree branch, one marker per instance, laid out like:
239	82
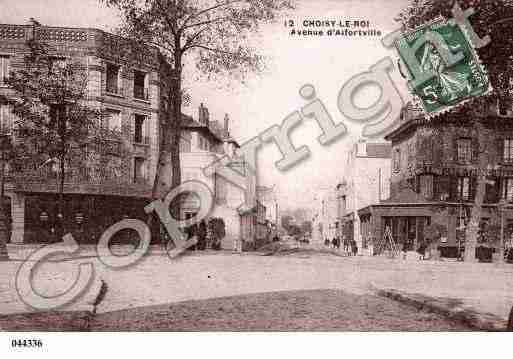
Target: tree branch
207	22
168	20
204	11
189	43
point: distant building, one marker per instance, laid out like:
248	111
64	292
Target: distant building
324	221
366	181
203	143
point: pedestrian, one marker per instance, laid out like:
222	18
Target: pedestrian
334	242
422	251
338	242
345	243
354	248
405	249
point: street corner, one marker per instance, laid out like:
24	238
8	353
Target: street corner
451	308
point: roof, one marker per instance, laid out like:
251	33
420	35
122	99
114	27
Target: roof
411	115
379	150
189	123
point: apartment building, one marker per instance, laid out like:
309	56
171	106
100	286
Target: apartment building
122	81
434	179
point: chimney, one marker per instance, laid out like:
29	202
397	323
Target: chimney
227	125
203	115
33	29
361	148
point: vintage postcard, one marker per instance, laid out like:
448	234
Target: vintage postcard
255	166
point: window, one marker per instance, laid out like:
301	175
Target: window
508	150
4	69
185	145
139	170
397	160
503	108
203	143
58	63
140	88
463	189
112	80
141	129
112	120
5	120
426	186
507	189
464	150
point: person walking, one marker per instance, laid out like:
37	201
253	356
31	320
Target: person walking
354	248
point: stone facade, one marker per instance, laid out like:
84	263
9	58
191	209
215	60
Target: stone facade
122	77
434	179
203	142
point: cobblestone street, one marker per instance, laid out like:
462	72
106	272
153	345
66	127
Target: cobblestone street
158	280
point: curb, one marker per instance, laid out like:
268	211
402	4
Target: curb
458	313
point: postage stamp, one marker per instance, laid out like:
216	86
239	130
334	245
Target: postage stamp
443	66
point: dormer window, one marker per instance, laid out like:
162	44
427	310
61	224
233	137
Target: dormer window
112	79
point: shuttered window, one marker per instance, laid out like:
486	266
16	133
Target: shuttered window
507	150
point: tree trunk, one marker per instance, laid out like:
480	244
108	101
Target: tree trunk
176	129
4	254
471	232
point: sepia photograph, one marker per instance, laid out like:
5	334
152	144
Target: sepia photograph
255	166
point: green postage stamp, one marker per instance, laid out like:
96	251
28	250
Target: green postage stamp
443	66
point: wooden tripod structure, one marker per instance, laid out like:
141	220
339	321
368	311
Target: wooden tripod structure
386	245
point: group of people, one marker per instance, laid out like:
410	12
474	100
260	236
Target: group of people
349	245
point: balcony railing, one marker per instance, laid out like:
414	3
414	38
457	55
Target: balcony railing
144	140
113	88
81	175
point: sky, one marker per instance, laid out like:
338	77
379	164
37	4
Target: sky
267	99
